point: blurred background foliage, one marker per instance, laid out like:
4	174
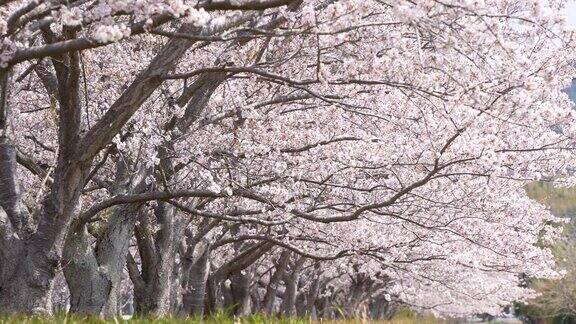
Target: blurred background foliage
557	300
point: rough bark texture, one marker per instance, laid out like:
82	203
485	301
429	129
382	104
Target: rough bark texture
291	283
28	288
154	297
11	244
240	291
26	281
89	287
93	274
313	294
219	277
272	287
193	298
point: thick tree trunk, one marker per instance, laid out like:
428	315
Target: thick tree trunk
255	298
94	274
301	304
323	304
240	262
11	243
113	306
194	298
28	261
155	297
11	248
291	283
89	287
211	301
240	289
158	255
313	295
28	288
270	295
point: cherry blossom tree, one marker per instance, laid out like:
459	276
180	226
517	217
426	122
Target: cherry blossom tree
280	155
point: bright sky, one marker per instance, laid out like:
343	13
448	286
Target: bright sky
571	12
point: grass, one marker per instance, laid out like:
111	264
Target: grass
562	201
402	318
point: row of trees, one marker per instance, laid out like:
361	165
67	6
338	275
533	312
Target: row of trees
316	158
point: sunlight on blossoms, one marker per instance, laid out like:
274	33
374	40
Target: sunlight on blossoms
311	160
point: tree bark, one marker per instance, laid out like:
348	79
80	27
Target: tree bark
291	283
272	287
240	290
94	274
313	294
11	243
27	288
194	297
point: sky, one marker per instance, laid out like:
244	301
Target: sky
571	12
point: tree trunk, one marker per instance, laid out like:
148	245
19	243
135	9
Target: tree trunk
158	255
11	242
89	287
240	289
211	301
194	298
28	288
291	283
94	274
270	295
301	304
313	292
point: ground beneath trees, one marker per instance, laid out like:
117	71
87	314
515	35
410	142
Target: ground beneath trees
254	319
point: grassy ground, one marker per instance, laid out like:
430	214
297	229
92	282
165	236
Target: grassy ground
562	201
218	319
